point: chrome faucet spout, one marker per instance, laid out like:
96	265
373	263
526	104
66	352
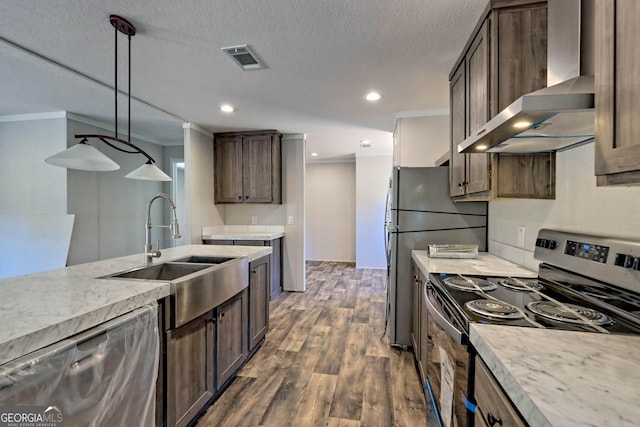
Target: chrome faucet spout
149	253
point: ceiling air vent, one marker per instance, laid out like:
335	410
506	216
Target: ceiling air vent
244	57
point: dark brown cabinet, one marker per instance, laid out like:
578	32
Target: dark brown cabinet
493	405
504	59
232	343
616	92
248	167
258	301
190	369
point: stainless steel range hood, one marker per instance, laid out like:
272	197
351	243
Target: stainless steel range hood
561	115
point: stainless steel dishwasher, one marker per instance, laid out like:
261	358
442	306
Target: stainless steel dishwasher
105	376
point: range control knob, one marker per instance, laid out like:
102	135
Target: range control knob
550	244
628	261
636	264
619	260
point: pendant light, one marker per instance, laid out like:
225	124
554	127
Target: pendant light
86	157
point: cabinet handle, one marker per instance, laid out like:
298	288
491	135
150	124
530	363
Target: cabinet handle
222	314
239	197
493	420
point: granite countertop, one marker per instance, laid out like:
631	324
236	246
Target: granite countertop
40	309
484	264
243	235
564	378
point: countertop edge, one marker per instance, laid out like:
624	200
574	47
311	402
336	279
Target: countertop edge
243	236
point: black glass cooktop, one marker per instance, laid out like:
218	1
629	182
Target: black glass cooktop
550	301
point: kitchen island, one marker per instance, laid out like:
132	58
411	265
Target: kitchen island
43	308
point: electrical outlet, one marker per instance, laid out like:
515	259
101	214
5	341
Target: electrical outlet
254	219
290	220
521	235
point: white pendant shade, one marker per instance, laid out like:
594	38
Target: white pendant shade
83	157
148	172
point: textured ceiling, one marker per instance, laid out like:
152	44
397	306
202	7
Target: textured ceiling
322	56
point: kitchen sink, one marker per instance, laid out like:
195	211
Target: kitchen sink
198	283
199	259
165	272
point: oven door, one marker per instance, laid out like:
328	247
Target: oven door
448	361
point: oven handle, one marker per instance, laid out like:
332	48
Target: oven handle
440	320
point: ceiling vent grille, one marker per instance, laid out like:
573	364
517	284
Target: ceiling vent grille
244	57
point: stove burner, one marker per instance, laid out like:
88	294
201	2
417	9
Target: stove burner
467	284
521	284
553	311
494	308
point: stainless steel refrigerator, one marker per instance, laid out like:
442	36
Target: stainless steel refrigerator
420	212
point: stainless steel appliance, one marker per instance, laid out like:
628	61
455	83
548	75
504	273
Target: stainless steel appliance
585	283
420	212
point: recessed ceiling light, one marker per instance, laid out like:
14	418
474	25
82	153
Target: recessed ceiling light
314	154
481	147
373	96
522	124
226	108
365	143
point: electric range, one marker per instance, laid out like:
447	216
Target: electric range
585	283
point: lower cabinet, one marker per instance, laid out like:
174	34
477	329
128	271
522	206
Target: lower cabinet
231	346
190	369
258	301
419	322
493	405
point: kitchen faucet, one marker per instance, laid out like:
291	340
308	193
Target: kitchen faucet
149	253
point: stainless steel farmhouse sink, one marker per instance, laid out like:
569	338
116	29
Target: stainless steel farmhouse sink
197	286
160	272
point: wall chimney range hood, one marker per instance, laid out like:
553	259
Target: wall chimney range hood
561	115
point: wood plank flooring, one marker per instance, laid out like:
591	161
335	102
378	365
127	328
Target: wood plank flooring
323	363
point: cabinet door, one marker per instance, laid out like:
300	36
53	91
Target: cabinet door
519	47
228	169
257	172
276	268
231	348
477	60
190	369
492	403
617	91
258	300
458	132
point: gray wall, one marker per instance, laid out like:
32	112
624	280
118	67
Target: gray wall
27	183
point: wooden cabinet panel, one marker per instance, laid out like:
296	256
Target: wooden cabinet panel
520	43
231	350
190	369
258	301
228	169
457	162
492	403
525	175
617	92
275	284
256	171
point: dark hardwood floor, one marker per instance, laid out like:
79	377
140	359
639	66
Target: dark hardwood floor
323	363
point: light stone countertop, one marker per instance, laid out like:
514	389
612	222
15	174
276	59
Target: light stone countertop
564	378
484	264
243	235
42	308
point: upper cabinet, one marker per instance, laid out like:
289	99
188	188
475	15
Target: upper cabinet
248	167
504	59
616	92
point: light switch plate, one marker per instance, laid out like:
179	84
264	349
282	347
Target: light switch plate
521	235
254	219
290	220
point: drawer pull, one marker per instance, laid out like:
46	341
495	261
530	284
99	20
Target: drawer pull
493	420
